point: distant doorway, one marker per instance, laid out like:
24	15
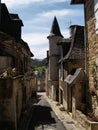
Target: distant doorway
61	96
69	99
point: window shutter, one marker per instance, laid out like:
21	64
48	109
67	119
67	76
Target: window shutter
96	15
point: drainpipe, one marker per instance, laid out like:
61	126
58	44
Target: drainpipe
85	42
86	59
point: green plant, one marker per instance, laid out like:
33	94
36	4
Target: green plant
40	68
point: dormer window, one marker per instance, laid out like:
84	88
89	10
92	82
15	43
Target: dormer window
96	15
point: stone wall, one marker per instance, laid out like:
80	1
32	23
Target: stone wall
52	90
82	119
40	85
91	39
92	43
67	92
46	80
33	86
54	55
12	100
5	62
8	100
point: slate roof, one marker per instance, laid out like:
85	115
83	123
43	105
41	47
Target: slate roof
15	17
65	43
55	30
74	49
78	35
4	36
25	45
7	17
7	38
5	13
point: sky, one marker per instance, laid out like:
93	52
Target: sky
37	17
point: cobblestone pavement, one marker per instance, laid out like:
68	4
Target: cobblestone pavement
37	107
38	115
43	117
63	116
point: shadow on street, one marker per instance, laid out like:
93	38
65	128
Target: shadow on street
41	116
38	115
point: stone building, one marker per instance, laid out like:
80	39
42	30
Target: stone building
53	57
41	81
66	57
11	41
91	32
15	71
10	23
72	92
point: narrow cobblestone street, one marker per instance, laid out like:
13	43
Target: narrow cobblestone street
43	114
43	117
49	65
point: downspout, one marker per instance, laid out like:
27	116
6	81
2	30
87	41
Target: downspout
85	41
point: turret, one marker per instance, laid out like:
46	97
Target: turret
54	54
55	30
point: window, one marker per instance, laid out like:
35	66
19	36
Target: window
96	15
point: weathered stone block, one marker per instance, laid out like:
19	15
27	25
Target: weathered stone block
6	88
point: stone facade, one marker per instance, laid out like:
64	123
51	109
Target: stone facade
91	60
66	57
16	77
13	98
92	52
72	58
91	43
10	103
54	55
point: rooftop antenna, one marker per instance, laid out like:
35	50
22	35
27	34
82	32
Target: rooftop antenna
69	23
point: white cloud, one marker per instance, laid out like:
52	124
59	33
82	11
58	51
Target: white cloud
34	26
61	13
39	53
41	22
35	38
47	17
38	43
55	1
12	3
65	33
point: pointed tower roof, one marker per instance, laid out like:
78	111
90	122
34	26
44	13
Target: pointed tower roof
55	30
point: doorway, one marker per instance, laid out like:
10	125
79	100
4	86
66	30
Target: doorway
61	96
